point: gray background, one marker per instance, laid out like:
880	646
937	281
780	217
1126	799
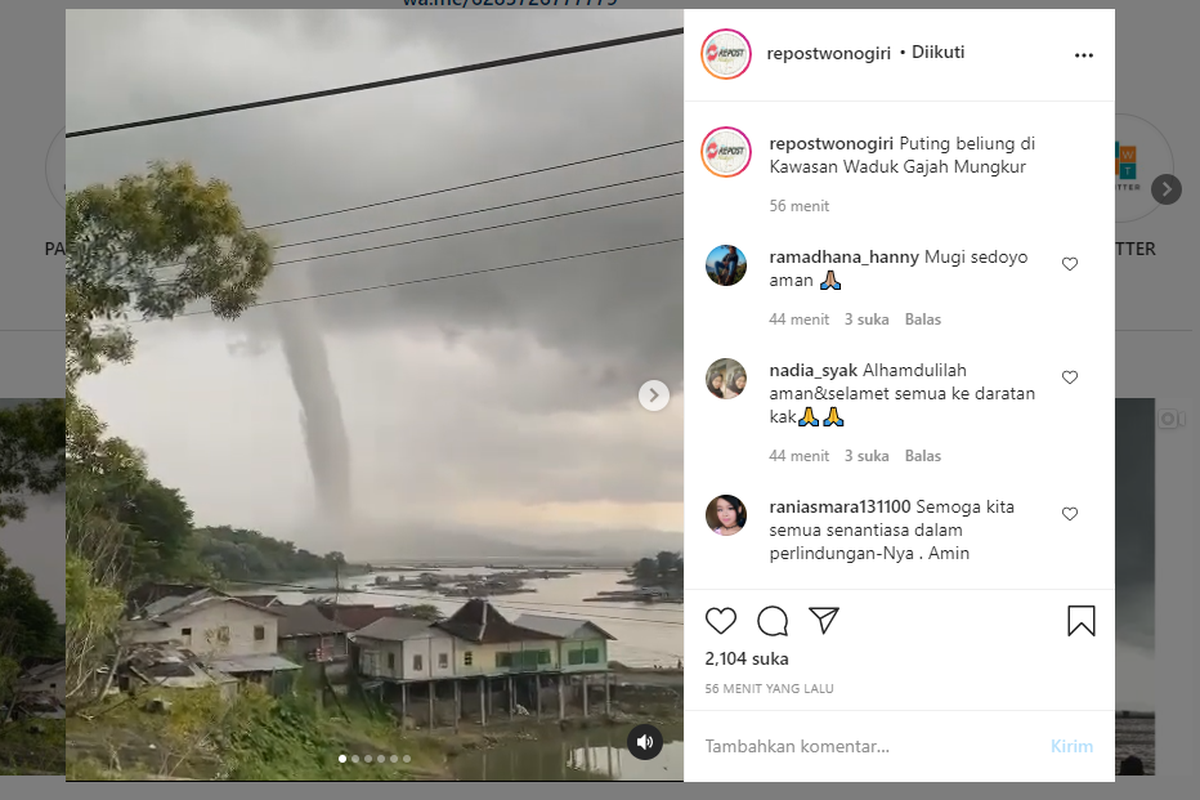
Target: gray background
1157	62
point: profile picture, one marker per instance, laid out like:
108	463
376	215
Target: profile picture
726	265
726	515
726	152
726	54
726	379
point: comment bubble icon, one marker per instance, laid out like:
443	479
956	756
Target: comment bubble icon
773	621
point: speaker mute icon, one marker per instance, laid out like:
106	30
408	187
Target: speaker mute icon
644	742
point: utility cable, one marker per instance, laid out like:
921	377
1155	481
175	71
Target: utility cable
427	220
435	278
471	185
362	87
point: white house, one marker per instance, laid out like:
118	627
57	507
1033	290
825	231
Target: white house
402	649
208	623
47	679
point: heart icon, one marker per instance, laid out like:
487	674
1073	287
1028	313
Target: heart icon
720	619
1070	376
1070	512
1070	263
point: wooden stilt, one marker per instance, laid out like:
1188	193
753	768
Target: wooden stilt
457	704
562	700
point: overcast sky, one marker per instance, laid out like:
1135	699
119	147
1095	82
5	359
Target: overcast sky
1135	563
34	544
504	402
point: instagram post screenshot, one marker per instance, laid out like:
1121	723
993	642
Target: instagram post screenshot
412	352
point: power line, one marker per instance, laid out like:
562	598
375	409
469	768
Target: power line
427	220
362	87
478	230
435	278
483	210
440	236
471	185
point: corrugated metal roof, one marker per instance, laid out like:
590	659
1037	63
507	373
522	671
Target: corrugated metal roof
255	663
45	670
258	599
165	604
354	617
561	627
396	629
305	621
179	608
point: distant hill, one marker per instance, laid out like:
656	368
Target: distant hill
375	542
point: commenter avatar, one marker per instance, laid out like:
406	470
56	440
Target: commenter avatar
726	379
726	265
726	515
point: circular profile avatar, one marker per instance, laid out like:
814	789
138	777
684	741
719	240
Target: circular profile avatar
726	515
726	379
726	265
726	54
726	152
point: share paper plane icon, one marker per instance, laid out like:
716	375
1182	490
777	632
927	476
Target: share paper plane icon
824	616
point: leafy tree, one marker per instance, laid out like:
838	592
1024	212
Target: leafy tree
32	453
236	554
159	527
28	625
93	609
153	244
148	244
665	569
423	611
644	571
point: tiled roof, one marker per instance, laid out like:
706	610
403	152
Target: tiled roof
479	622
560	626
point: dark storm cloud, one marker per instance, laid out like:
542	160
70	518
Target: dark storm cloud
619	317
1135	534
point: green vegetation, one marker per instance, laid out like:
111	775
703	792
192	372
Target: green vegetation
28	626
238	555
32	437
255	737
423	611
32	462
665	570
152	245
32	747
